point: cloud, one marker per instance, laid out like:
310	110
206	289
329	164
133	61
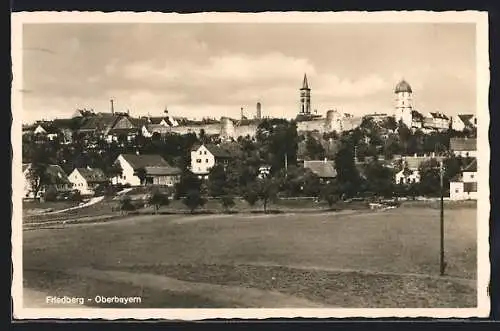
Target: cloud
334	86
227	68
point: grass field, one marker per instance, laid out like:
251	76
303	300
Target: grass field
345	259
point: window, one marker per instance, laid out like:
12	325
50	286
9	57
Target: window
206	160
198	160
201	153
204	152
457	190
472	176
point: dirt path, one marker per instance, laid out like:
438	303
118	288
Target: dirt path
228	295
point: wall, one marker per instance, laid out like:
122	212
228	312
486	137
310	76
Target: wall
457	192
166	180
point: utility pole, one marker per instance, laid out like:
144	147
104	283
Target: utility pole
442	263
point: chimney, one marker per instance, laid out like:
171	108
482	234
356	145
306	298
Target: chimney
415	155
433	154
324	160
137	152
112	106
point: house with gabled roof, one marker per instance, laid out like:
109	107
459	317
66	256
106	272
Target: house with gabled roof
464	122
464	185
153	169
464	147
408	171
436	121
99	124
324	169
205	157
87	179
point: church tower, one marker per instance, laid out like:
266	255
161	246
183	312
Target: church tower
305	98
404	107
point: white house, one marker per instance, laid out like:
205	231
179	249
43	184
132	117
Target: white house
464	147
205	157
436	121
149	129
155	169
409	172
87	179
46	130
463	121
464	186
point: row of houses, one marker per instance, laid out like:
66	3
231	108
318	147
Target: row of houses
154	170
110	126
437	121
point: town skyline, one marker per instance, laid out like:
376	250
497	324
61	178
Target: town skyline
209	70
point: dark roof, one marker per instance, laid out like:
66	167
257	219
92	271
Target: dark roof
218	151
48	127
417	114
162	171
64	123
323	169
467	119
414	162
403	86
463	144
101	121
471	167
145	160
92	175
138	122
439	115
56	175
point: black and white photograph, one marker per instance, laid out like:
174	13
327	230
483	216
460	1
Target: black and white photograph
250	165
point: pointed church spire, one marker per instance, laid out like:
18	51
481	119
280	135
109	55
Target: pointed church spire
305	85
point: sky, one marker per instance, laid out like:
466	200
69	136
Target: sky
214	69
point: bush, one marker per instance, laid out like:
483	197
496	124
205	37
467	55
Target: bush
50	194
75	196
193	200
126	204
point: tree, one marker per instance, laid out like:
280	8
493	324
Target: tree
227	202
217	180
314	149
158	199
267	190
429	178
193	200
330	193
188	182
379	179
347	173
126	204
114	170
250	194
141	174
37	177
